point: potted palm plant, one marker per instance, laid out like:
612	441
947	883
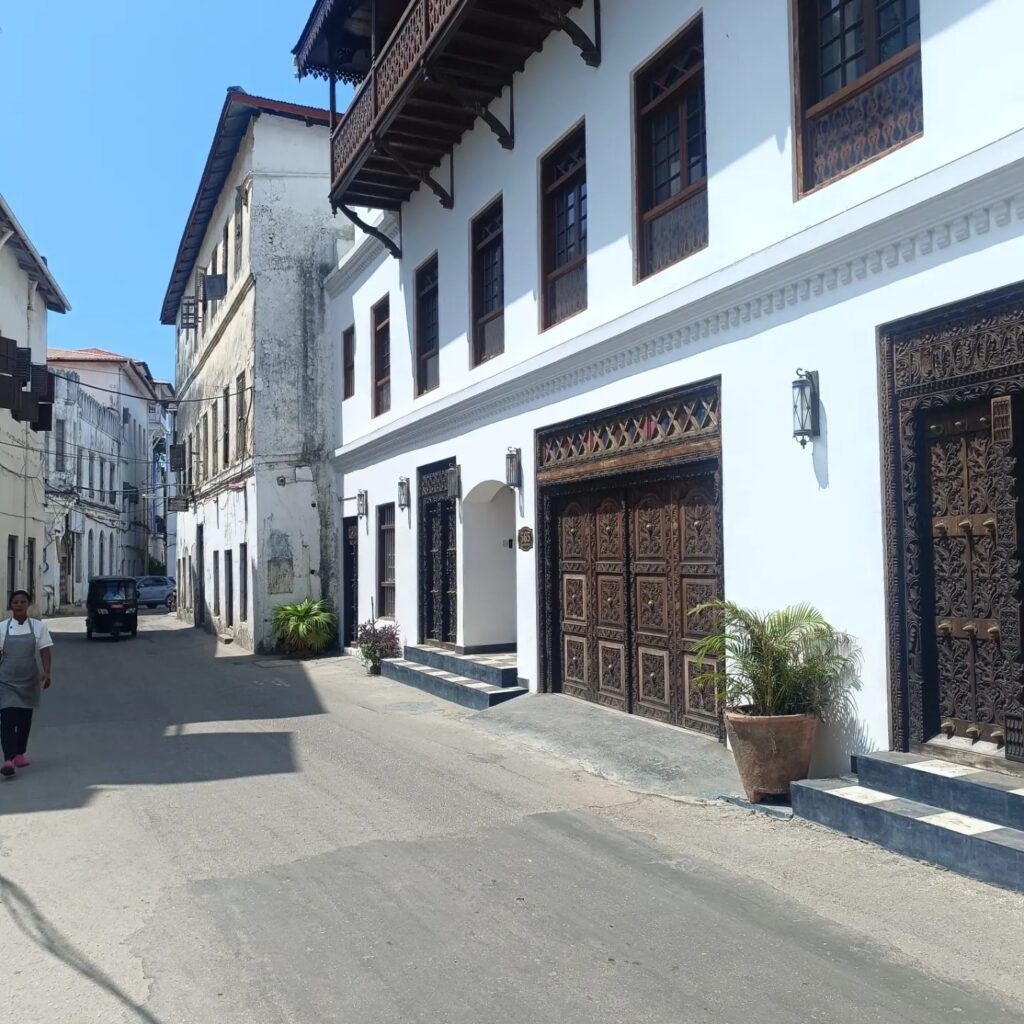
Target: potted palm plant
377	641
303	629
779	674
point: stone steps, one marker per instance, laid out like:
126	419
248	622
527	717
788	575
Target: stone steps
470	693
927	809
496	669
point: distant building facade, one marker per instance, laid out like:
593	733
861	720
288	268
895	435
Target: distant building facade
244	298
105	471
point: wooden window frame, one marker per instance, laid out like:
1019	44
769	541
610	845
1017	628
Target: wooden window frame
225	241
240	415
478	247
226	427
348	362
805	76
216	583
386	591
549	191
214	440
60	445
381	329
645	215
422	289
238	230
229	587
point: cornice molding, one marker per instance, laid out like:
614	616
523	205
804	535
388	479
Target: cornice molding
882	236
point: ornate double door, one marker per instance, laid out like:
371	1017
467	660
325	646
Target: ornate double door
634	563
438	557
973	521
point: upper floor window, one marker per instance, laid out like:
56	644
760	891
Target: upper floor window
488	284
240	415
381	357
238	231
564	228
226	426
348	356
224	243
215	441
427	327
60	445
859	83
671	153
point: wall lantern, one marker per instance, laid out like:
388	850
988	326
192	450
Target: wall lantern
454	481
403	492
514	468
362	504
805	406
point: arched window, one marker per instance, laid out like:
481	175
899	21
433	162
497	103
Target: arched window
101	552
92	560
110	556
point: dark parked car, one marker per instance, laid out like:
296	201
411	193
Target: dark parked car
112	606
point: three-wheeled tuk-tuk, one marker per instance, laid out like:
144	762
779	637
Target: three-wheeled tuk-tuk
112	606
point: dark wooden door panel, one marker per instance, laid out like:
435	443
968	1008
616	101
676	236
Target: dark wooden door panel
634	564
350	558
438	557
972	520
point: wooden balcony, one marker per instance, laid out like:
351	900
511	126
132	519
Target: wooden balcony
439	70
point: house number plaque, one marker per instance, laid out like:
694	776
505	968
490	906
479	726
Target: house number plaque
526	538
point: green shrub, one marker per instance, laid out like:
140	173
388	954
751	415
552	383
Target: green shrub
304	628
378	641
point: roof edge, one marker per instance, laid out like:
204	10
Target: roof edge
57	301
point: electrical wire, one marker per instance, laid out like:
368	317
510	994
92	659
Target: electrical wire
129	394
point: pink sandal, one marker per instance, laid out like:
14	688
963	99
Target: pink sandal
21	761
7	769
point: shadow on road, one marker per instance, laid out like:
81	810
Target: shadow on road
164	708
31	921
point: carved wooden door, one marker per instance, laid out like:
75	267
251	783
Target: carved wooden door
975	568
438	556
633	565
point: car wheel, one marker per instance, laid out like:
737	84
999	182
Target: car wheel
135	631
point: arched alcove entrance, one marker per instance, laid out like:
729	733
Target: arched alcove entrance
489	568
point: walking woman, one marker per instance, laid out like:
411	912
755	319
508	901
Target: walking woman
21	640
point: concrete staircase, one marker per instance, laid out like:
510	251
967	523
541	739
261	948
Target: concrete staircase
473	680
959	817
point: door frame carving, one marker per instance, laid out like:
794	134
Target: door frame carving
644	441
958	353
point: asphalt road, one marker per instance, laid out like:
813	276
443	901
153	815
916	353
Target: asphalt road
209	836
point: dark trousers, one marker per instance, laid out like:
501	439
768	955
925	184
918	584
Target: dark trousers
15	724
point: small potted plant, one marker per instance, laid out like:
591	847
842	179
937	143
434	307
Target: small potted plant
303	629
377	641
780	673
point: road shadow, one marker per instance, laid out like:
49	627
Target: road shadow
167	707
33	924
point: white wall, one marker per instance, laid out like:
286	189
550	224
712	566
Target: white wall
487	564
750	167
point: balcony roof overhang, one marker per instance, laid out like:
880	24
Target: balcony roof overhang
441	69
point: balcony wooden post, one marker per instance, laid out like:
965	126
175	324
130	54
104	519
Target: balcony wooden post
332	80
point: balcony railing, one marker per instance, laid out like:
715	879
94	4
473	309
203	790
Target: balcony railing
399	57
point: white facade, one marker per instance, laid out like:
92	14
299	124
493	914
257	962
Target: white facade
27	292
250	375
784	282
105	469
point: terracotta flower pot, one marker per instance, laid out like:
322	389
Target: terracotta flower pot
771	751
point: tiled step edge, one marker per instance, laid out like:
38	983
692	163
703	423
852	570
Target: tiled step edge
970	846
461	665
947	785
470	693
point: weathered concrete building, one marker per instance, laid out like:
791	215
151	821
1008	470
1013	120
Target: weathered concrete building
245	298
28	293
105	471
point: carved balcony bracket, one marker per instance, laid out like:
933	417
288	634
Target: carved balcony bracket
444	195
506	136
374	232
590	49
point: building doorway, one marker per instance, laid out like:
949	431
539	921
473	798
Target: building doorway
199	582
489	569
953	453
630	548
438	554
350	580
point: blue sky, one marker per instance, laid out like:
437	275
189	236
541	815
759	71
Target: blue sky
107	111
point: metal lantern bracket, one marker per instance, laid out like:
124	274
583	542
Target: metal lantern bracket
806	407
403	492
514	468
362	504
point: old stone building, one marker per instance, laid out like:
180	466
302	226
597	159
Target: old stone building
245	300
28	294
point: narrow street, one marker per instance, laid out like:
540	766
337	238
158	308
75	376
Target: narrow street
206	835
